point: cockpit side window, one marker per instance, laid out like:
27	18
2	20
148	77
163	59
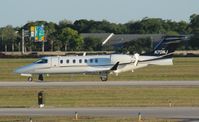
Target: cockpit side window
42	61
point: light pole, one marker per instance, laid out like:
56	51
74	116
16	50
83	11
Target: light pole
22	42
43	46
151	43
1	39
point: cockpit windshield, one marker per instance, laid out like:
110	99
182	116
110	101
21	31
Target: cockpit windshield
42	61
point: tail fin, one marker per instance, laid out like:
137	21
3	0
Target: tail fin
167	45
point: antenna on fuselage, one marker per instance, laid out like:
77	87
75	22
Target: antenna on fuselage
106	40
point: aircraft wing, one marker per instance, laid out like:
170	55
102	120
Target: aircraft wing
115	67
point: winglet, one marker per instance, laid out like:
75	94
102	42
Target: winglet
115	66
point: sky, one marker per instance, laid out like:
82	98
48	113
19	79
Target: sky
19	12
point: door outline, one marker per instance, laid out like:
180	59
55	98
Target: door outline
54	61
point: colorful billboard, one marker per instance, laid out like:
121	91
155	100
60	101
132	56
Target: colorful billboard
37	33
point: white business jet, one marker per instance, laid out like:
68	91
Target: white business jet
100	64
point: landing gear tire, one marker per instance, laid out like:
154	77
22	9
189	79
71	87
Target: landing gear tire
40	78
30	79
104	78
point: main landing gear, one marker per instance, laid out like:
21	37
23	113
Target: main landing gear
104	76
40	78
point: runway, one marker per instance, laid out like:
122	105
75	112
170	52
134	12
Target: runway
154	112
157	112
99	83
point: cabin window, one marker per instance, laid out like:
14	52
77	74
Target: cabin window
91	60
61	61
74	61
85	61
96	60
80	60
42	61
67	61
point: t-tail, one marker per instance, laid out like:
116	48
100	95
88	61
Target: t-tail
163	51
167	45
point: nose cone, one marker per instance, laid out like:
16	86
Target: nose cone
24	69
19	70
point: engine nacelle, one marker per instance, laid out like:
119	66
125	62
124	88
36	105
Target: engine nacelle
122	59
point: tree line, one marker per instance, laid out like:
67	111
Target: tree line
65	35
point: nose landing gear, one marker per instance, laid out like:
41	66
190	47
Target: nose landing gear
30	79
40	78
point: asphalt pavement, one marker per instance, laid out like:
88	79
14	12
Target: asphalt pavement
99	83
159	112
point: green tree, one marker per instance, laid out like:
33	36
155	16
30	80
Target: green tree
85	26
65	23
9	36
50	35
82	26
157	25
70	39
194	25
183	28
92	44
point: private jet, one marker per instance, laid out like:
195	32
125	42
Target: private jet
101	64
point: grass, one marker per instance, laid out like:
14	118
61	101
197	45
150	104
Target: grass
100	97
81	119
183	69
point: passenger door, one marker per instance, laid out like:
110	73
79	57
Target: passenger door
54	62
